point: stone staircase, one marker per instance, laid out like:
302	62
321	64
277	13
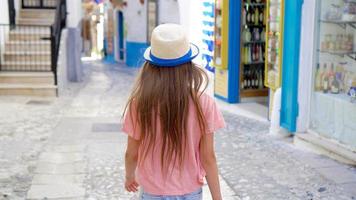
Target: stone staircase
26	56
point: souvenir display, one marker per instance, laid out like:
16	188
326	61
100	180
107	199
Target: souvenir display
274	44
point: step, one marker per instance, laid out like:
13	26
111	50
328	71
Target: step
42	90
26	66
28	36
37	13
27	56
34	21
36	45
32	29
27	78
326	146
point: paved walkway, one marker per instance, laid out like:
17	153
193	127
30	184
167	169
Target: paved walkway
72	148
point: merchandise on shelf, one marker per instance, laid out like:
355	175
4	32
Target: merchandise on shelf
253	38
274	41
338	43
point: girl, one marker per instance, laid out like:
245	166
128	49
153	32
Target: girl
170	123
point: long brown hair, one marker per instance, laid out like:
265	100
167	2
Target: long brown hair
163	94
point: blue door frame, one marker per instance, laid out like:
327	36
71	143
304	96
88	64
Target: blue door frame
290	68
233	60
120	31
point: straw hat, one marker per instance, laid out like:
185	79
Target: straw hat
170	46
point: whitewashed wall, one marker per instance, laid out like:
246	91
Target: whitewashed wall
306	63
62	64
74	9
168	12
4	12
135	15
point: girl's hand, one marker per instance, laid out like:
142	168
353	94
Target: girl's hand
131	184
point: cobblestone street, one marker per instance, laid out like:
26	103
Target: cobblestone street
71	148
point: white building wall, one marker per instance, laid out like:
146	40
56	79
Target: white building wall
4	12
168	12
74	9
135	15
306	62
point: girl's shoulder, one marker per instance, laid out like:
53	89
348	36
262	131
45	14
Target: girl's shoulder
206	101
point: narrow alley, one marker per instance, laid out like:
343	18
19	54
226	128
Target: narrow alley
71	147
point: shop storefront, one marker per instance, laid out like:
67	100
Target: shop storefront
248	50
239	49
327	79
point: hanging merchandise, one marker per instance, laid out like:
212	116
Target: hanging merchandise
208	35
274	44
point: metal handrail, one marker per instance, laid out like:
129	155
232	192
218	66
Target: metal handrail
56	32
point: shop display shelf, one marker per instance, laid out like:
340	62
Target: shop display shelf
341	23
254	42
351	54
341	97
254	92
255	63
255	4
255	25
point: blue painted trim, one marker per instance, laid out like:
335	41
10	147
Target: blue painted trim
220	97
206	23
134	53
109	59
160	62
121	33
290	67
233	61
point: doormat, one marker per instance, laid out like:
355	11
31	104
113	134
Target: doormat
106	127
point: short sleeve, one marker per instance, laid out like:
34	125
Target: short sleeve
130	126
213	116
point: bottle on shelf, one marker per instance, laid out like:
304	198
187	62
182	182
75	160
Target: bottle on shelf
255	77
256	34
248	79
248	16
261	17
335	86
252	17
331	73
246	34
257	16
317	83
244	77
263	35
260	52
260	79
325	79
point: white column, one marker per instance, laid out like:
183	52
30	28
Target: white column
168	12
306	62
4	14
74	9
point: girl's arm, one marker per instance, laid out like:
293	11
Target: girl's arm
131	157
208	159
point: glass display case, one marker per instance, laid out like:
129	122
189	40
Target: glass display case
275	15
221	34
220	48
253	38
333	105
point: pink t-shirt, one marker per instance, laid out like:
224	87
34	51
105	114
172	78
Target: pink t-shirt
190	179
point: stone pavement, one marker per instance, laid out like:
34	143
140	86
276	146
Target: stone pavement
72	148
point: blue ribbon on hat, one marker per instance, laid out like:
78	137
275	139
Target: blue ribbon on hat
171	62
